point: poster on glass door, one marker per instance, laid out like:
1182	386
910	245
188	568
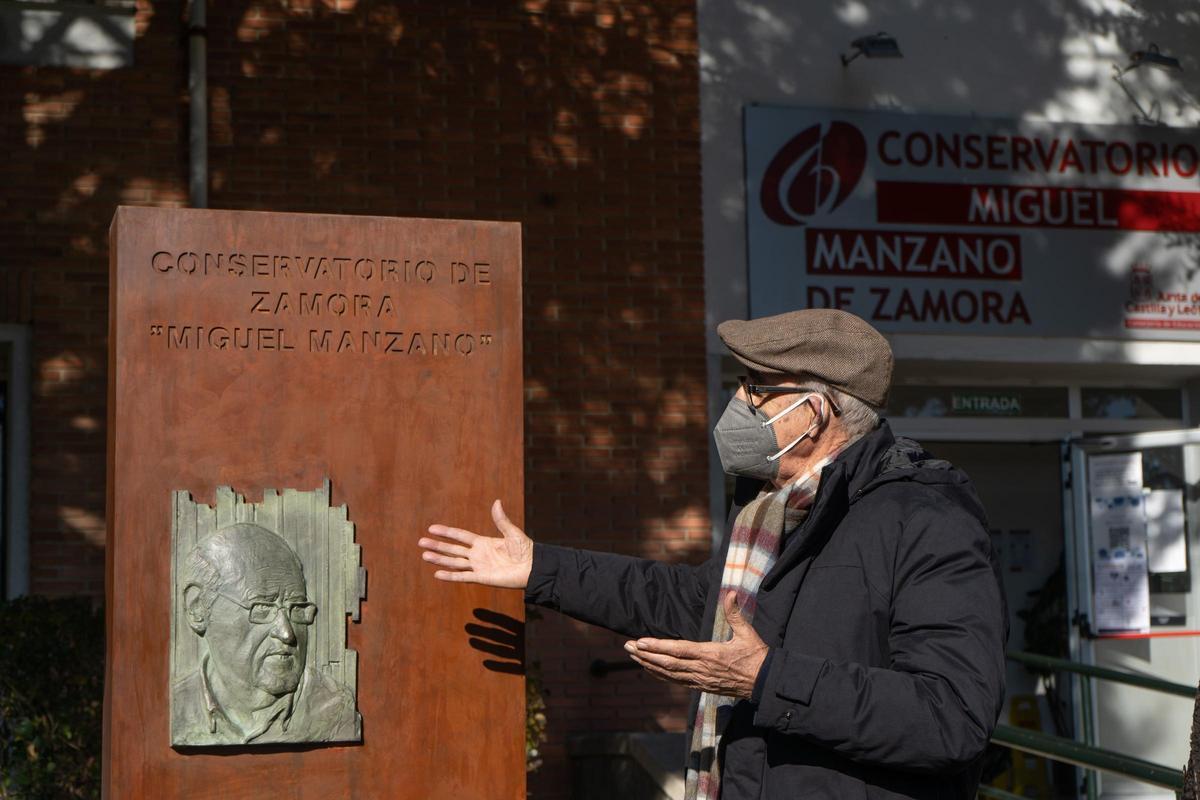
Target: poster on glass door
1121	578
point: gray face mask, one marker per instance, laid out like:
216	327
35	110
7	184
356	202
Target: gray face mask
746	441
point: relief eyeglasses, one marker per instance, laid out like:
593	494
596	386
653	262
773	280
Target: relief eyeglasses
760	390
263	612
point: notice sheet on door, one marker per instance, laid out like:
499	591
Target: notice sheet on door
1120	573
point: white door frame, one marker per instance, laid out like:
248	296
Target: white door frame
1078	542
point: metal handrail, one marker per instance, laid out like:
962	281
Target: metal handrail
1060	748
1103	673
1085	754
1057	748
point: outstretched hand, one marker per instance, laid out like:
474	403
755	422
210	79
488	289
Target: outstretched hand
726	668
467	557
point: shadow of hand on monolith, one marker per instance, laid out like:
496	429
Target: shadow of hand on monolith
501	636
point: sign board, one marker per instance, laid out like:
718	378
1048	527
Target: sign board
293	400
977	401
937	224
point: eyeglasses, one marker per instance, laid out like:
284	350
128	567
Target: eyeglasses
262	612
752	390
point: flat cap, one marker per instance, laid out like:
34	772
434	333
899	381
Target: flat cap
832	346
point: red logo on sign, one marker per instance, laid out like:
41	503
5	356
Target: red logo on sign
1141	284
813	173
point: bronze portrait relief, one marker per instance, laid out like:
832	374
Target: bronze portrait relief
260	599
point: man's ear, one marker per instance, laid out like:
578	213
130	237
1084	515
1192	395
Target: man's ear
195	610
821	415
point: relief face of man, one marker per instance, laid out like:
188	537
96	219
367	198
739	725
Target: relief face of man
241	669
253	614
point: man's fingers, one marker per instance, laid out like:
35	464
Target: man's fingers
672	647
733	612
457	534
445	548
670	676
450	562
455	577
656	671
503	523
666	662
653	668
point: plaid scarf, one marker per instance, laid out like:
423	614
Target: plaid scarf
754	548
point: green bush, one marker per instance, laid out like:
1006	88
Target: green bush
51	698
535	720
535	706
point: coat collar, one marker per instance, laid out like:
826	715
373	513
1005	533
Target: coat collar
859	463
841	484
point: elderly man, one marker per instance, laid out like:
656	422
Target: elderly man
244	595
848	639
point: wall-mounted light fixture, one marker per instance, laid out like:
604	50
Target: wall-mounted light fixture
1150	57
877	45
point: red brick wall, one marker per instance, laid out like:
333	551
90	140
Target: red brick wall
578	119
75	145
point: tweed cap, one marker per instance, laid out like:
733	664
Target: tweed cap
832	346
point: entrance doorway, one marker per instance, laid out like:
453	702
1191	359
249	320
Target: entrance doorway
1021	488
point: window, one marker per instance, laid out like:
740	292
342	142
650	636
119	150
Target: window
95	35
1125	403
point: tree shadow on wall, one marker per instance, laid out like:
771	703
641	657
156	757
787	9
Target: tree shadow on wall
578	122
578	119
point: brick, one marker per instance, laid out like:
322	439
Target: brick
578	119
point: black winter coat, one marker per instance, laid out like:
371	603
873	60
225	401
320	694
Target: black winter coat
886	619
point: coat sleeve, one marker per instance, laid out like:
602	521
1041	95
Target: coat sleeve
935	706
632	596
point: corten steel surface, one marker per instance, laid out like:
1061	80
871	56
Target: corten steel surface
283	391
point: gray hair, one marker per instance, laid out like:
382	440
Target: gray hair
201	571
858	418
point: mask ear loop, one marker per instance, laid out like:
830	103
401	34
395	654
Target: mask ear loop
819	422
793	407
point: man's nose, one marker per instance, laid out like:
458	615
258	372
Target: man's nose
282	628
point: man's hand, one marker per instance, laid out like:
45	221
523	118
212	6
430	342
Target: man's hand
725	668
504	561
